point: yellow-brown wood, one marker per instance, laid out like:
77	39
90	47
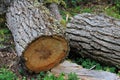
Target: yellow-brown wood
45	52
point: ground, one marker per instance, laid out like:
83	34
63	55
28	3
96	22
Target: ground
8	57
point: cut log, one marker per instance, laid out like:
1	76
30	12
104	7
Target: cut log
39	39
96	36
45	52
68	67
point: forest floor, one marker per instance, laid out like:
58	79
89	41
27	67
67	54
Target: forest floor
8	57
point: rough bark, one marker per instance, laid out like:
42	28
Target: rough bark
39	38
53	7
4	4
84	74
96	36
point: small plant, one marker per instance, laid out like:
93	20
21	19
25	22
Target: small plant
118	73
117	5
41	75
2	20
6	74
52	77
59	2
3	33
75	3
72	76
86	10
24	78
112	11
91	64
61	77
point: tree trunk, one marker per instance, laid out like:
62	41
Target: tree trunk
96	36
39	38
53	7
84	74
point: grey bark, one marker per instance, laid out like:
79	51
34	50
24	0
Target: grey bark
84	74
53	7
4	4
96	36
27	21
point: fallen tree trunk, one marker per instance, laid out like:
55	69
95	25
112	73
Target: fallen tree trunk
39	38
84	74
96	36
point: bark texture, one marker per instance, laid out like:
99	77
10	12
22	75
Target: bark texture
27	22
53	7
4	4
84	74
96	36
39	38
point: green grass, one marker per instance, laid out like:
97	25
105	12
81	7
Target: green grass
4	37
72	76
52	77
107	9
88	63
4	32
113	12
6	74
91	64
87	10
75	11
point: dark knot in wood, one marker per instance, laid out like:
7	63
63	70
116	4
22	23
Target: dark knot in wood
44	54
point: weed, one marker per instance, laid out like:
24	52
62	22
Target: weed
117	5
72	76
41	75
50	76
24	78
6	74
86	10
2	20
88	63
112	11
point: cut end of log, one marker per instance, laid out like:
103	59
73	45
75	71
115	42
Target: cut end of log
45	52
